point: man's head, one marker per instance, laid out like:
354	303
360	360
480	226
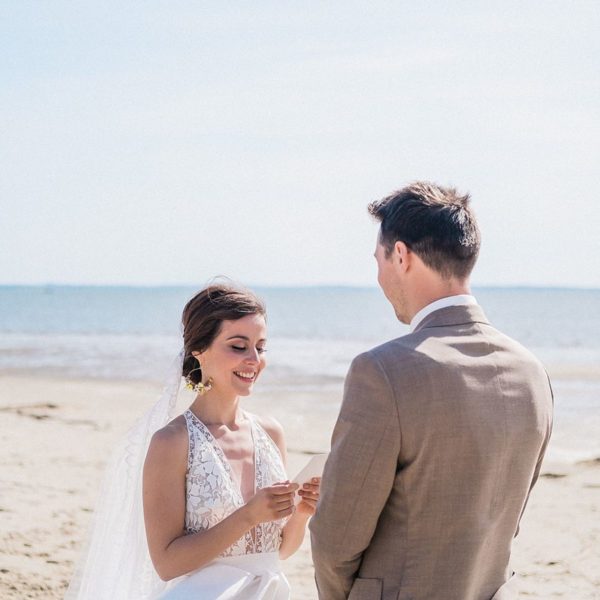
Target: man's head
427	247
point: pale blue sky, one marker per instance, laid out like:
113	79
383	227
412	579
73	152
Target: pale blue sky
160	143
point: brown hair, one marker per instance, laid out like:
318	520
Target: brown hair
205	312
436	223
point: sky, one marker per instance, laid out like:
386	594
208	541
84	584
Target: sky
160	143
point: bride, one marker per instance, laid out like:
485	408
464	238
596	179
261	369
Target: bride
218	510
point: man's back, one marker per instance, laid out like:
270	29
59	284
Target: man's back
448	481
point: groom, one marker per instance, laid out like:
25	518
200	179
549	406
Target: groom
441	432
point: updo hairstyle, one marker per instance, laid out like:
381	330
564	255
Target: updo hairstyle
203	315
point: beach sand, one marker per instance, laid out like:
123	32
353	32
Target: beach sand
55	437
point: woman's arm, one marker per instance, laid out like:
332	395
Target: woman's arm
173	552
295	529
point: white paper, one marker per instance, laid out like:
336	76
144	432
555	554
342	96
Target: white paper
314	468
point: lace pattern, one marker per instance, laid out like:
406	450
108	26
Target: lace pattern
212	492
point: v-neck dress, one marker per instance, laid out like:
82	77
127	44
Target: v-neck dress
249	568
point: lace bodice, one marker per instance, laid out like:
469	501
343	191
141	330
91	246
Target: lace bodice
212	492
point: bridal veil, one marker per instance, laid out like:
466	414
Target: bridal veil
115	564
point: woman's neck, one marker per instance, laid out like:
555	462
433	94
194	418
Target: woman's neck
214	410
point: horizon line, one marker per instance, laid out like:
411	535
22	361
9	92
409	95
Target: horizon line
508	286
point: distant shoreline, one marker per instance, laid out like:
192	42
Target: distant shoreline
347	287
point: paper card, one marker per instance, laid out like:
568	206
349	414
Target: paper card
314	468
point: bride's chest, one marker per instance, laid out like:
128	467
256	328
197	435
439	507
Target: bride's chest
238	453
223	475
216	483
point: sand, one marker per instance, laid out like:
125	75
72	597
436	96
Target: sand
55	436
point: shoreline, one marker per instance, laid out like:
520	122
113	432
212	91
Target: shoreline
56	438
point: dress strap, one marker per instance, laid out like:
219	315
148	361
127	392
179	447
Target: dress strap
191	438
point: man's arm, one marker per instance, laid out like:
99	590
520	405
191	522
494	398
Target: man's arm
358	477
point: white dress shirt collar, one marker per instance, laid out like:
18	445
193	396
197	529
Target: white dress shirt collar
458	300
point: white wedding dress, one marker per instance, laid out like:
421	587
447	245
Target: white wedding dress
249	569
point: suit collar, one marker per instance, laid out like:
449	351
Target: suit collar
455	300
453	315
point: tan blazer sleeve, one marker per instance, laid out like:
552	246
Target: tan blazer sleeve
358	477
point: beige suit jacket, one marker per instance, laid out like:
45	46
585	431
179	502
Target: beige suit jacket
439	440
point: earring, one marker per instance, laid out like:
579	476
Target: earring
199	388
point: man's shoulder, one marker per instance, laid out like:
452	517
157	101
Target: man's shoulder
400	350
517	350
416	349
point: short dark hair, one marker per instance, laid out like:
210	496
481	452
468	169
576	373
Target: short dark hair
435	222
204	314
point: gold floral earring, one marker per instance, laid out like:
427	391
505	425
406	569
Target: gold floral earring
199	388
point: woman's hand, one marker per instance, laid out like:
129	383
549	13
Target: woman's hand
272	503
310	497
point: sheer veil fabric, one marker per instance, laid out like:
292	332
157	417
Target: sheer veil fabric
115	564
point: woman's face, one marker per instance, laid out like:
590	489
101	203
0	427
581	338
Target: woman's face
237	355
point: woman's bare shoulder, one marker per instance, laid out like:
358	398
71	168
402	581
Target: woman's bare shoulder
171	441
173	431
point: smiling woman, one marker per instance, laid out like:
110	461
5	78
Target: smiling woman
218	508
237	355
204	317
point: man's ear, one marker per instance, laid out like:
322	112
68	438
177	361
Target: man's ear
401	256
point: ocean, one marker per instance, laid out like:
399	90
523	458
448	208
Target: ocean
132	333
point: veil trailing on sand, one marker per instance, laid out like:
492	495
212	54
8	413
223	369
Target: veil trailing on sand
115	564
